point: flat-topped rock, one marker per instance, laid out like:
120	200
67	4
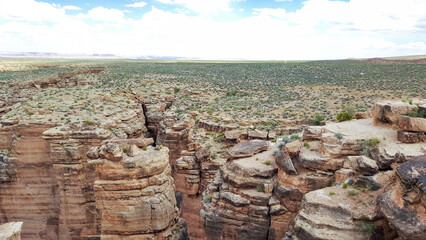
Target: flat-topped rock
247	149
251	171
391	111
415	124
362	164
332	214
365	129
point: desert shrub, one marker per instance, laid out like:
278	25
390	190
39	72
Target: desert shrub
305	144
176	90
366	227
207	198
88	122
345	185
316	120
331	193
233	92
416	112
213	155
294	136
367	145
344	116
352	192
267	162
260	188
338	135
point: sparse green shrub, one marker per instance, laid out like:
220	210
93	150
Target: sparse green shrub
338	135
144	148
267	162
306	144
88	122
345	185
344	116
294	136
275	152
352	192
207	198
331	193
213	155
317	119
179	111
197	121
366	145
260	188
176	90
365	227
416	113
233	92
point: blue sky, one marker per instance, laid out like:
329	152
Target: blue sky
217	29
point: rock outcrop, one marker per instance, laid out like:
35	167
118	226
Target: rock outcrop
238	204
404	205
134	194
11	231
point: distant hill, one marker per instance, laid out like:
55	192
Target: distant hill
405	59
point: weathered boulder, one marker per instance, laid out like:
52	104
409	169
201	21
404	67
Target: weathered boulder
111	152
312	133
390	111
257	134
410	172
247	149
410	223
235	135
285	162
401	206
383	160
11	231
414	124
293	148
314	161
410	137
362	164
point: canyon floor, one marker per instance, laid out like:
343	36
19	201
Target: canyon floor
137	149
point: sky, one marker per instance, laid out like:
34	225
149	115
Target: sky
216	29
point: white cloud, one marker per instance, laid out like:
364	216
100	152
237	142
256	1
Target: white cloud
201	6
271	12
360	15
104	14
348	29
30	10
136	5
69	7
